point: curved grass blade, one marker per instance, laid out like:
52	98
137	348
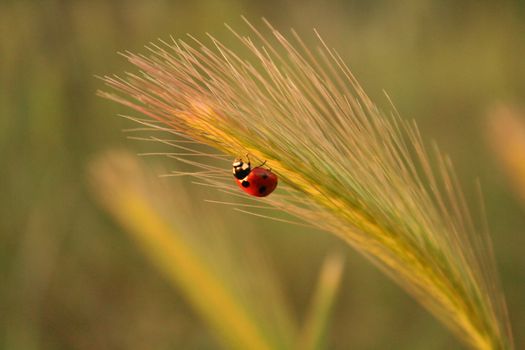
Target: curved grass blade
124	189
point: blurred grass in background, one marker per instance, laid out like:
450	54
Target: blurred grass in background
70	278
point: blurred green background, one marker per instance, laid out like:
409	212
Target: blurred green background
71	279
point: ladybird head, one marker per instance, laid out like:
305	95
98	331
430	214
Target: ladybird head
241	169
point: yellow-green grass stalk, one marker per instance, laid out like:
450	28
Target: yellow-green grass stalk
348	168
128	192
316	323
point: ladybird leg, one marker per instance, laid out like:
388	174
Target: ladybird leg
248	157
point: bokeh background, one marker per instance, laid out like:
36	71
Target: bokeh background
71	278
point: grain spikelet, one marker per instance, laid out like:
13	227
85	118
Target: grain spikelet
506	134
349	169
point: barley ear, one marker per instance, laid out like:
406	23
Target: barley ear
344	166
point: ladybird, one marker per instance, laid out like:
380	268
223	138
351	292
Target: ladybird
258	182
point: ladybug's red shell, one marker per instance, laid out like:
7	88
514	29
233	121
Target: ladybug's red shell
260	182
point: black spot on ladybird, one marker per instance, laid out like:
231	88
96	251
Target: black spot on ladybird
264	176
262	189
245	184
